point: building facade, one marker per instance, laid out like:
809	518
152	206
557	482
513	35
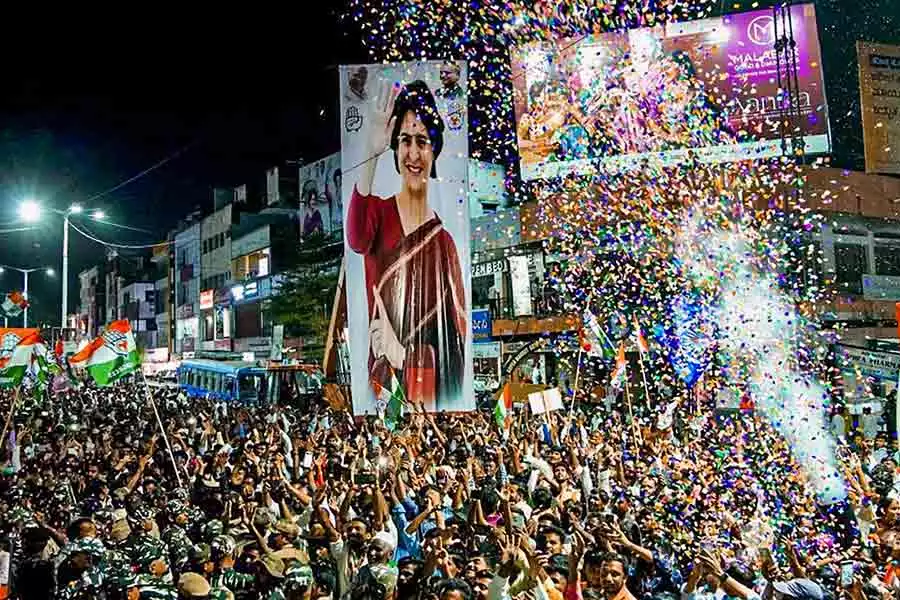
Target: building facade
92	302
187	258
137	304
215	261
260	247
163	275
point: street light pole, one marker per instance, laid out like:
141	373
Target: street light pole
25	294
65	272
25	272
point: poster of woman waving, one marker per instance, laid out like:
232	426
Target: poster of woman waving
406	229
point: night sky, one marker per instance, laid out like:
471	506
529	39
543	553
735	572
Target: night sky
91	101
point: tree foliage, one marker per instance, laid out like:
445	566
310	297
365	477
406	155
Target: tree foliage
306	293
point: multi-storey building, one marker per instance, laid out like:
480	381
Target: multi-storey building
137	304
187	257
92	302
215	262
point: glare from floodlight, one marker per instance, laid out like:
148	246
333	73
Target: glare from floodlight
50	272
30	211
75	209
99	215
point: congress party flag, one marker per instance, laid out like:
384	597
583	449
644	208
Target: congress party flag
503	408
14	304
390	401
620	372
16	349
109	357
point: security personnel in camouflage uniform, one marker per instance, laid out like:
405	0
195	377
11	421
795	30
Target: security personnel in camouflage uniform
175	536
141	540
85	557
212	529
224	576
154	577
271	577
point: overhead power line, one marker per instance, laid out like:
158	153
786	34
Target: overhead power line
113	245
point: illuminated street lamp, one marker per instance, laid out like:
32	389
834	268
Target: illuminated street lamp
47	271
30	211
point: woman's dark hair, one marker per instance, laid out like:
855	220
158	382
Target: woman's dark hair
416	97
310	193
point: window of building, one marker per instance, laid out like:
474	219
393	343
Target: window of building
209	327
149	295
887	257
253	265
850	265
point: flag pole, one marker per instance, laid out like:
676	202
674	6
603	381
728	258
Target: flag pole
12	409
640	346
577	374
644	376
635	429
161	428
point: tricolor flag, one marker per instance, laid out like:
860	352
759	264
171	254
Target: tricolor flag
639	339
503	409
620	372
109	357
16	349
391	399
593	340
44	366
14	304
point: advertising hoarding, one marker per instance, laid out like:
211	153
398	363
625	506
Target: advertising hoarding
709	86
404	154
320	196
879	93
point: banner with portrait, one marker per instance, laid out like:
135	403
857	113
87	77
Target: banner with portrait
320	196
707	88
404	157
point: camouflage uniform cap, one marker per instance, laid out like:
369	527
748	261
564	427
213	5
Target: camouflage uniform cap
212	529
175	508
222	546
140	514
298	577
90	546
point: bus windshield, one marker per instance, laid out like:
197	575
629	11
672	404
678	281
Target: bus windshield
250	387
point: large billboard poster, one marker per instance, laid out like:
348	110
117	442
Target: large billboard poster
879	88
320	196
404	155
710	86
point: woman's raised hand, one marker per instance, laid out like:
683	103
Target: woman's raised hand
382	122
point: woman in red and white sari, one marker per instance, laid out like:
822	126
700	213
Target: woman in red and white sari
414	283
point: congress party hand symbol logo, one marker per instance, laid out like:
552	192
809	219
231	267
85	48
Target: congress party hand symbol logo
353	121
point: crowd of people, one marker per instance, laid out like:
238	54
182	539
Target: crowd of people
100	499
